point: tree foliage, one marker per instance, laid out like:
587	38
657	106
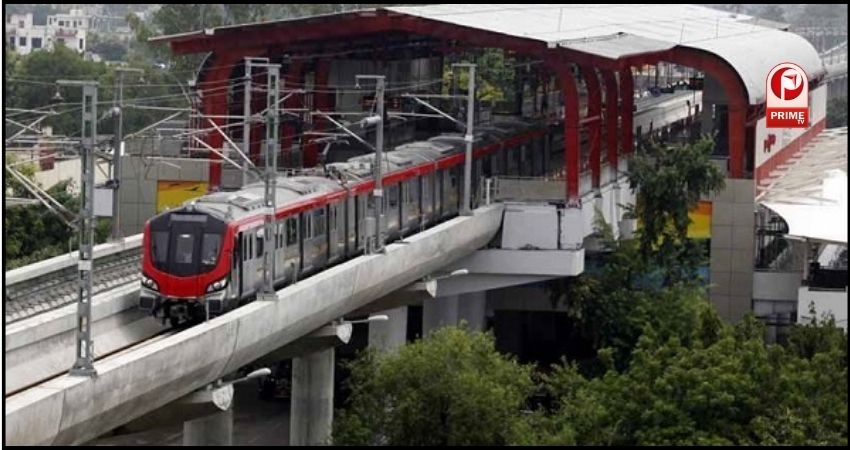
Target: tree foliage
451	388
32	233
669	181
726	388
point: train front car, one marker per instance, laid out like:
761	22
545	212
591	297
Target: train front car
186	265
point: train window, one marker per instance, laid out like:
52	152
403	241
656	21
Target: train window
260	241
291	231
319	222
210	248
160	246
184	249
406	193
392	196
308	226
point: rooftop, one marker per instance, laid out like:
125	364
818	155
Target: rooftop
613	32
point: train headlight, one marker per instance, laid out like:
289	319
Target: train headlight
149	283
218	285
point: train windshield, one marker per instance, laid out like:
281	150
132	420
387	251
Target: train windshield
186	244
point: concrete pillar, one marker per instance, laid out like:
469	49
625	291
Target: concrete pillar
471	308
215	429
451	310
311	415
439	312
390	334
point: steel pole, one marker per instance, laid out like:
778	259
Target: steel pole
246	114
116	160
466	208
379	156
84	363
270	235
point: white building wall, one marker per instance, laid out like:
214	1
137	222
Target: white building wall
826	301
784	136
68	29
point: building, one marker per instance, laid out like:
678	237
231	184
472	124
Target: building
621	49
70	30
24	37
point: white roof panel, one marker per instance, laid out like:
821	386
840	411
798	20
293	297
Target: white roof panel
812	195
750	48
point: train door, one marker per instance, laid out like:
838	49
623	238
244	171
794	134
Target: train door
259	241
403	207
304	227
292	250
237	264
336	230
438	194
409	204
350	225
452	189
445	204
426	198
280	250
368	211
360	211
247	263
391	206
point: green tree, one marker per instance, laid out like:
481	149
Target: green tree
617	304
451	388
669	181
109	50
32	86
33	233
731	389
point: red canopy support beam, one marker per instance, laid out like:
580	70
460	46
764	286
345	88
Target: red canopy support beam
611	120
627	102
294	79
733	87
214	94
593	120
572	155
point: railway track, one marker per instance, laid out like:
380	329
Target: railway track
59	288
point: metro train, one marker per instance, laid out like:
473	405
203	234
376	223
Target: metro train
206	257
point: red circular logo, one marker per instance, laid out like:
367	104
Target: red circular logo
787	83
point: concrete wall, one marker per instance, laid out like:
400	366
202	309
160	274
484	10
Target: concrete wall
780	286
139	176
70	168
733	249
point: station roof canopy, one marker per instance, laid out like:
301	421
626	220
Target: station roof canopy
613	32
811	193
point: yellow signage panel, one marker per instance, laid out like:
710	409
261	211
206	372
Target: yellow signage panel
700	227
172	194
